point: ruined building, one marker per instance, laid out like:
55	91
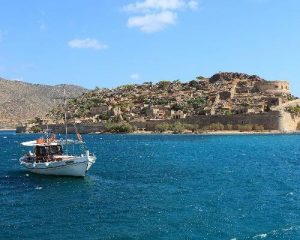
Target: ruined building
224	97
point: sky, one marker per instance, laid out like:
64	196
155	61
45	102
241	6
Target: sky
107	43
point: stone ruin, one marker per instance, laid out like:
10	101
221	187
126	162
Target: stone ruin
229	76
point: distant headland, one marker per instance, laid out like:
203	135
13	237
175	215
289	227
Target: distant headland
226	101
20	100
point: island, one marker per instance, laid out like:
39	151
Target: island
227	101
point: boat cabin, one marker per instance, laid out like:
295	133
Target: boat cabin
47	150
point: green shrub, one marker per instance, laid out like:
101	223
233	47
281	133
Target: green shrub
95	101
178	106
128	87
163	127
205	128
191	127
229	127
119	127
228	113
199	102
178	127
245	127
164	84
193	83
36	129
216	127
124	106
258	128
294	110
102	117
200	78
159	101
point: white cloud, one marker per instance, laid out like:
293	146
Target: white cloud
87	43
135	76
193	5
155	15
152	22
147	5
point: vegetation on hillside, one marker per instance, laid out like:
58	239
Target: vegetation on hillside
119	128
294	109
172	100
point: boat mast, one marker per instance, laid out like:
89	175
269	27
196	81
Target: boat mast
66	123
47	133
65	98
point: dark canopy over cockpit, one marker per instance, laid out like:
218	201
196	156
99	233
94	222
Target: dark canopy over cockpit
42	151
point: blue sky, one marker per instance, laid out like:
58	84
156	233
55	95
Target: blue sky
107	43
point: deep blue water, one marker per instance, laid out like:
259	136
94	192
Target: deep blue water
158	187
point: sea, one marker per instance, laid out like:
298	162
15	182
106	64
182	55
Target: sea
158	187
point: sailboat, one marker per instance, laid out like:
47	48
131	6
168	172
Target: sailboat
50	156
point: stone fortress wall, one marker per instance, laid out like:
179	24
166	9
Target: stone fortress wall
274	120
273	87
288	121
270	120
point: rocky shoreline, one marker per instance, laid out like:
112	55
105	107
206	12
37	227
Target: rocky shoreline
224	132
210	133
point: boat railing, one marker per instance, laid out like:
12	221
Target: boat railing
41	159
47	158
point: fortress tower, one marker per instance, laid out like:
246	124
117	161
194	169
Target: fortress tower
273	87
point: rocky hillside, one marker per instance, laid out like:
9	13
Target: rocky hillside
20	100
222	94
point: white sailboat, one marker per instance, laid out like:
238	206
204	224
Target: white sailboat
50	156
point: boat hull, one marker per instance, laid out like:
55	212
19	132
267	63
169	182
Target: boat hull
76	167
74	170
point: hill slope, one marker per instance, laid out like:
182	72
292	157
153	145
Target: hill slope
21	100
222	94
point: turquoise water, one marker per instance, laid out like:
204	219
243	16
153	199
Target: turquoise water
158	187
